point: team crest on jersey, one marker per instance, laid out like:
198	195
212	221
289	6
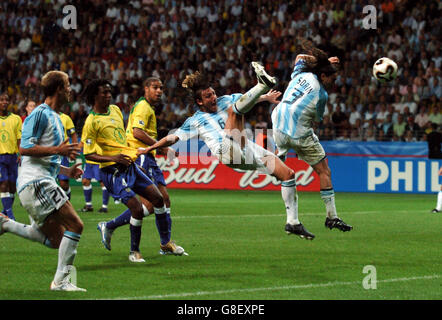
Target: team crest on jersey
141	122
88	141
119	135
4	136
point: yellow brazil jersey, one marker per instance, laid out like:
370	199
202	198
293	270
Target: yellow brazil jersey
68	125
10	132
141	116
104	134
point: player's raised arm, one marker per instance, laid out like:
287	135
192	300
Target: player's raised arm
165	142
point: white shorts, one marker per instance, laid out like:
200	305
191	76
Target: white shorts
41	198
307	148
248	158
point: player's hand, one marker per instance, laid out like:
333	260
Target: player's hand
75	172
334	60
68	149
171	154
272	96
123	159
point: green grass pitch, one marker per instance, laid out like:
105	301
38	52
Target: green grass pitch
238	250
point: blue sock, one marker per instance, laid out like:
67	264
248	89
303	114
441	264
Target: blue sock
87	191
162	223
119	221
7	201
105	196
135	234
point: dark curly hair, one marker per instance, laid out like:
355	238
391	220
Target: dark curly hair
320	64
91	90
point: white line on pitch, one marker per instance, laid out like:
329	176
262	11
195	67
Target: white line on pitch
261	215
301	286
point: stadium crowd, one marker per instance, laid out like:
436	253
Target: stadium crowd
126	41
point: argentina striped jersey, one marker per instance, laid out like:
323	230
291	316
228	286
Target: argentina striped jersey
303	102
42	127
208	127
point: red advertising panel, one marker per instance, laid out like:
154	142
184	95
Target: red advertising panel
209	173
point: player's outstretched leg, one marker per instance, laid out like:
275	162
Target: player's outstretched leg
248	99
262	75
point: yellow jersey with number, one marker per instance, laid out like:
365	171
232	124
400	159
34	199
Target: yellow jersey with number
104	134
10	132
142	116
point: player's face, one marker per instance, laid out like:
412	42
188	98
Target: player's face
64	94
328	81
207	103
104	96
153	92
4	102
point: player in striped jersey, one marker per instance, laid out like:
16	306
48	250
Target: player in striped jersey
69	133
10	135
304	102
54	220
219	123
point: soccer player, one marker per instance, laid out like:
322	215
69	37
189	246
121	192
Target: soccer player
54	220
219	123
141	132
303	102
105	142
69	133
10	135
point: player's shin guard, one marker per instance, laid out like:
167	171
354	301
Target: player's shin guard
162	223
290	197
248	99
87	191
328	196
66	255
135	234
7	202
105	197
439	201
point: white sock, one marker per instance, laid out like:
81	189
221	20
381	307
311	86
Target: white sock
145	211
439	201
328	196
30	232
248	99
288	191
159	210
66	255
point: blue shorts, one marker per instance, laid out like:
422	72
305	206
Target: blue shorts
64	162
8	167
92	171
124	184
148	163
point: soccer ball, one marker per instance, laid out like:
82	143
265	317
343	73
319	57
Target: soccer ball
385	70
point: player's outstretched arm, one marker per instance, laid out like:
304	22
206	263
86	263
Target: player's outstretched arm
271	96
64	149
165	142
